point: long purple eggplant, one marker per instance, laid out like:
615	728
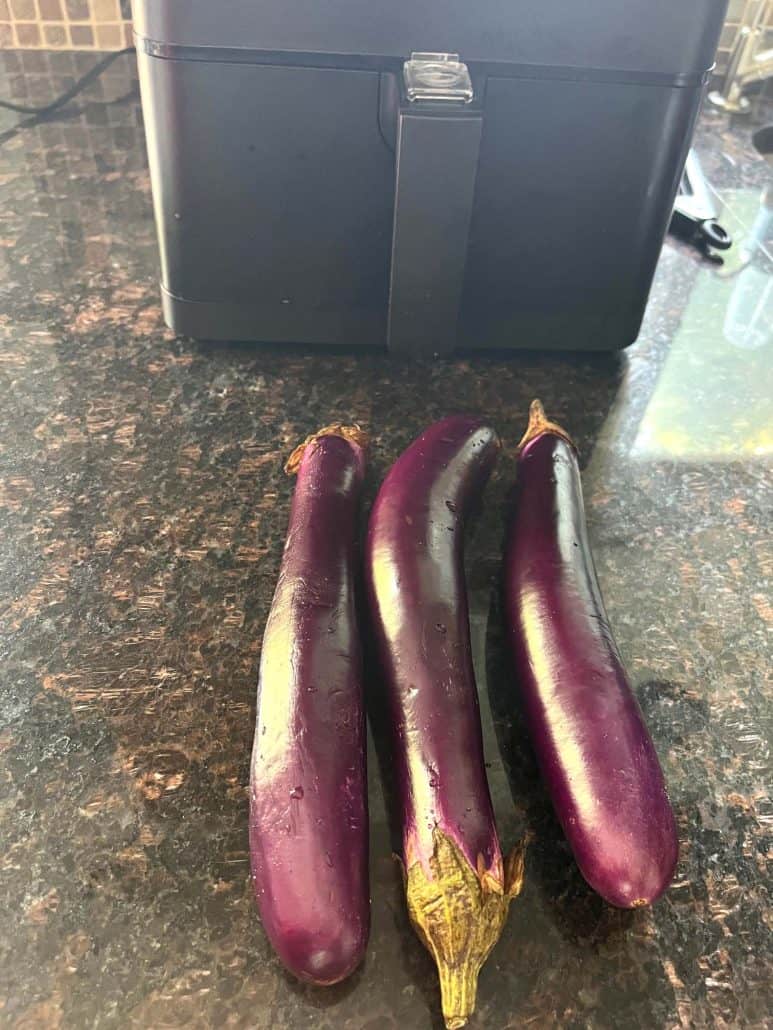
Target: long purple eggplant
458	888
308	792
596	756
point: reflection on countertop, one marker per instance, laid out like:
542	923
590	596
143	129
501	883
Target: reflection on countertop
142	514
713	395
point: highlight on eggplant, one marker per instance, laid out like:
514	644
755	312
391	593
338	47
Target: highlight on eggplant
595	754
308	787
458	886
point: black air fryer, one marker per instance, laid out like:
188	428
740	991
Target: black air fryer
430	176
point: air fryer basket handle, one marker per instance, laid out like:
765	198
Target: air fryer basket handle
436	163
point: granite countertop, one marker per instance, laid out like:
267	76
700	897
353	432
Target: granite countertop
142	515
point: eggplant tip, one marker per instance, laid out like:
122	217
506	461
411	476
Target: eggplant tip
539	423
455	1023
320	957
354	434
458	988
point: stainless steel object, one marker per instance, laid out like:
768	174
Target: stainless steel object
748	62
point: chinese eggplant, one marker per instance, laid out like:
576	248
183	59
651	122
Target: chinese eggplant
595	753
458	887
308	792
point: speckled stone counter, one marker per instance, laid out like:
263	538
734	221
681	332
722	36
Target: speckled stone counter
142	515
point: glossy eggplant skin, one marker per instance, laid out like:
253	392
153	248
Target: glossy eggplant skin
458	888
308	790
418	603
595	753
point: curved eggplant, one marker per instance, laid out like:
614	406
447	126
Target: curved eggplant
308	792
458	888
594	751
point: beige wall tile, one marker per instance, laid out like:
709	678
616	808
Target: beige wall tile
736	9
78	10
110	37
82	36
106	10
51	10
55	36
27	34
24	10
727	37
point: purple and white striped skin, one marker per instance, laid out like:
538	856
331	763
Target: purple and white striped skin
458	888
308	789
595	753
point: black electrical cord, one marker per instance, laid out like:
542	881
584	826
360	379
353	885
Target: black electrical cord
35	115
73	91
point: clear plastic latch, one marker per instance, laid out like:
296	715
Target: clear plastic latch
437	77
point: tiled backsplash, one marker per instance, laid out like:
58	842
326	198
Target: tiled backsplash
65	24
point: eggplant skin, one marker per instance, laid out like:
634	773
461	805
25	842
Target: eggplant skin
458	886
418	603
308	790
595	753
